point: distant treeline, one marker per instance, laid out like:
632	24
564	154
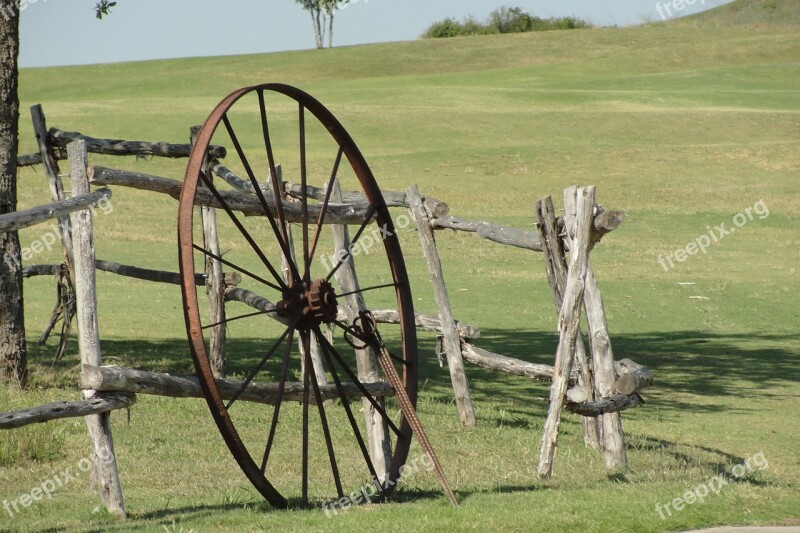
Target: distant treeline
503	20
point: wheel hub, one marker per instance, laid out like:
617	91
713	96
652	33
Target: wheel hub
309	304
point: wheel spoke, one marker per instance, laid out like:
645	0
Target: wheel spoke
368	219
375	288
258	367
304	194
277	186
346	404
357	382
325	202
257	188
242	229
236	267
308	369
248	315
306	340
276	411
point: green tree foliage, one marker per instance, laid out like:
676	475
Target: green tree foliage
503	20
103	8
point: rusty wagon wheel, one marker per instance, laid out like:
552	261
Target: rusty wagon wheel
295	450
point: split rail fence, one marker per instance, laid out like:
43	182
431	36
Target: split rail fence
585	379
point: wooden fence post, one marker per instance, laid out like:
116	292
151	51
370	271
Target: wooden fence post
557	275
602	359
286	269
366	359
569	323
611	435
51	170
104	457
65	306
215	281
452	341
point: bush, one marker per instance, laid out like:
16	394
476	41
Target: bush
447	28
503	20
510	20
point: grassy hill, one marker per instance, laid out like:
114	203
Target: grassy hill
748	13
681	127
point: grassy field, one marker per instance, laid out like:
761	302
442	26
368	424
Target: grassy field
682	127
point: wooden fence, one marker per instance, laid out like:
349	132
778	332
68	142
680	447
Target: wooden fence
584	379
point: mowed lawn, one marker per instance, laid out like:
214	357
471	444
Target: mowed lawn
681	127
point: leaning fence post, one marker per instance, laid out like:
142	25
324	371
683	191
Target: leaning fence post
452	341
66	280
104	458
568	323
557	275
51	170
602	359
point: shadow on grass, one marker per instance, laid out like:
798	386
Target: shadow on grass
687	456
715	366
707	364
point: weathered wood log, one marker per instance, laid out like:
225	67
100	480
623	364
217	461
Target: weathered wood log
28	160
238	201
259	303
146	274
378	438
104	471
36	215
577	394
123	147
605	406
100	403
114	378
433	206
492	232
31	271
606	222
632	377
452	341
509	365
235	181
428	323
556	268
569	322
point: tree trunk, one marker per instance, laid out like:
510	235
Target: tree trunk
330	28
316	22
13	356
